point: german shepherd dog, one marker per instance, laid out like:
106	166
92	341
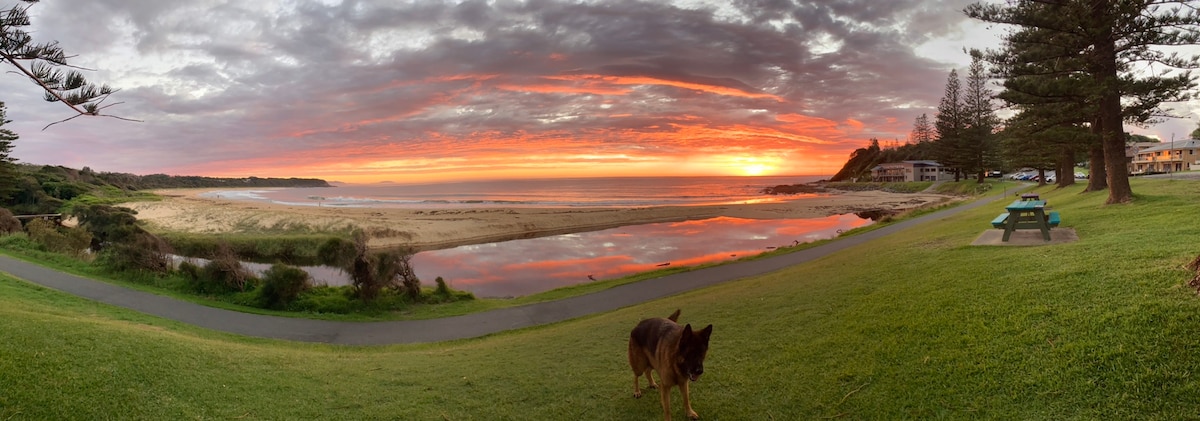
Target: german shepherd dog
675	352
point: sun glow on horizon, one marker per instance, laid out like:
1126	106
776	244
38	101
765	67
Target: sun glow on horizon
756	169
506	166
752	165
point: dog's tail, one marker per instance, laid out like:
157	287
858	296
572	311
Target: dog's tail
674	317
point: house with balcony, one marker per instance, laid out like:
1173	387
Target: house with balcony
1182	155
911	171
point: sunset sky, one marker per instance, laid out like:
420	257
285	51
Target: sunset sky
425	91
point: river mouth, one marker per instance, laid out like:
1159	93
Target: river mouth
522	267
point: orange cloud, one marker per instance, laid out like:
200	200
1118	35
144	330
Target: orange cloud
855	124
645	80
591	89
682	149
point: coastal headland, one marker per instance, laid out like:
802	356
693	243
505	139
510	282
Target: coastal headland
186	210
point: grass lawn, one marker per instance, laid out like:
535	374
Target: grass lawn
916	325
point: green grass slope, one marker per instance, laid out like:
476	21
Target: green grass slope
913	326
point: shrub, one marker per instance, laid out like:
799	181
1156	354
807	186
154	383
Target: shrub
78	240
9	224
370	273
141	252
334	300
336	252
444	294
190	271
224	272
282	284
442	288
59	239
111	225
43	233
394	268
121	243
362	272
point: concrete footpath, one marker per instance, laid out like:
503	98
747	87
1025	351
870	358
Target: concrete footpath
459	327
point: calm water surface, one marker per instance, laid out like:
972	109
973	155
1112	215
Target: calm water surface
523	267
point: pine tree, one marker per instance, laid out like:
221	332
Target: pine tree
950	123
978	141
43	64
1103	40
922	132
1029	141
1049	87
8	164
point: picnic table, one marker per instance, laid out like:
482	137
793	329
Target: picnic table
1026	214
1030	196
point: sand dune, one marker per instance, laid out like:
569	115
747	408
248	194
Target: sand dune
184	210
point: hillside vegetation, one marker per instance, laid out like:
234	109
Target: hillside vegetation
53	189
917	325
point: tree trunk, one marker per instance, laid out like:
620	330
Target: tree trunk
1066	167
1098	178
1111	125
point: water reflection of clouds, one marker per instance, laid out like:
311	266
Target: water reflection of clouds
523	267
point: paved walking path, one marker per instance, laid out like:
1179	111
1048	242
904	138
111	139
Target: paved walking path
434	330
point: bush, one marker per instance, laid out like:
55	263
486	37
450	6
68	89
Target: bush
336	252
42	232
282	284
141	252
59	239
332	300
9	224
224	273
444	294
112	225
17	241
190	271
442	288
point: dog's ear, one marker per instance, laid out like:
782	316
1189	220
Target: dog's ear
687	331
705	333
674	317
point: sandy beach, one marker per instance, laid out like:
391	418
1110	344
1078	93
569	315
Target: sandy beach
184	210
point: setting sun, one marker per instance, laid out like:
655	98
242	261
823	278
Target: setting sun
756	169
745	165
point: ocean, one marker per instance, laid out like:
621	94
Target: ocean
565	192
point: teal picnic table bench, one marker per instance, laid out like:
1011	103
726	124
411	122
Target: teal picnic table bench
1026	214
